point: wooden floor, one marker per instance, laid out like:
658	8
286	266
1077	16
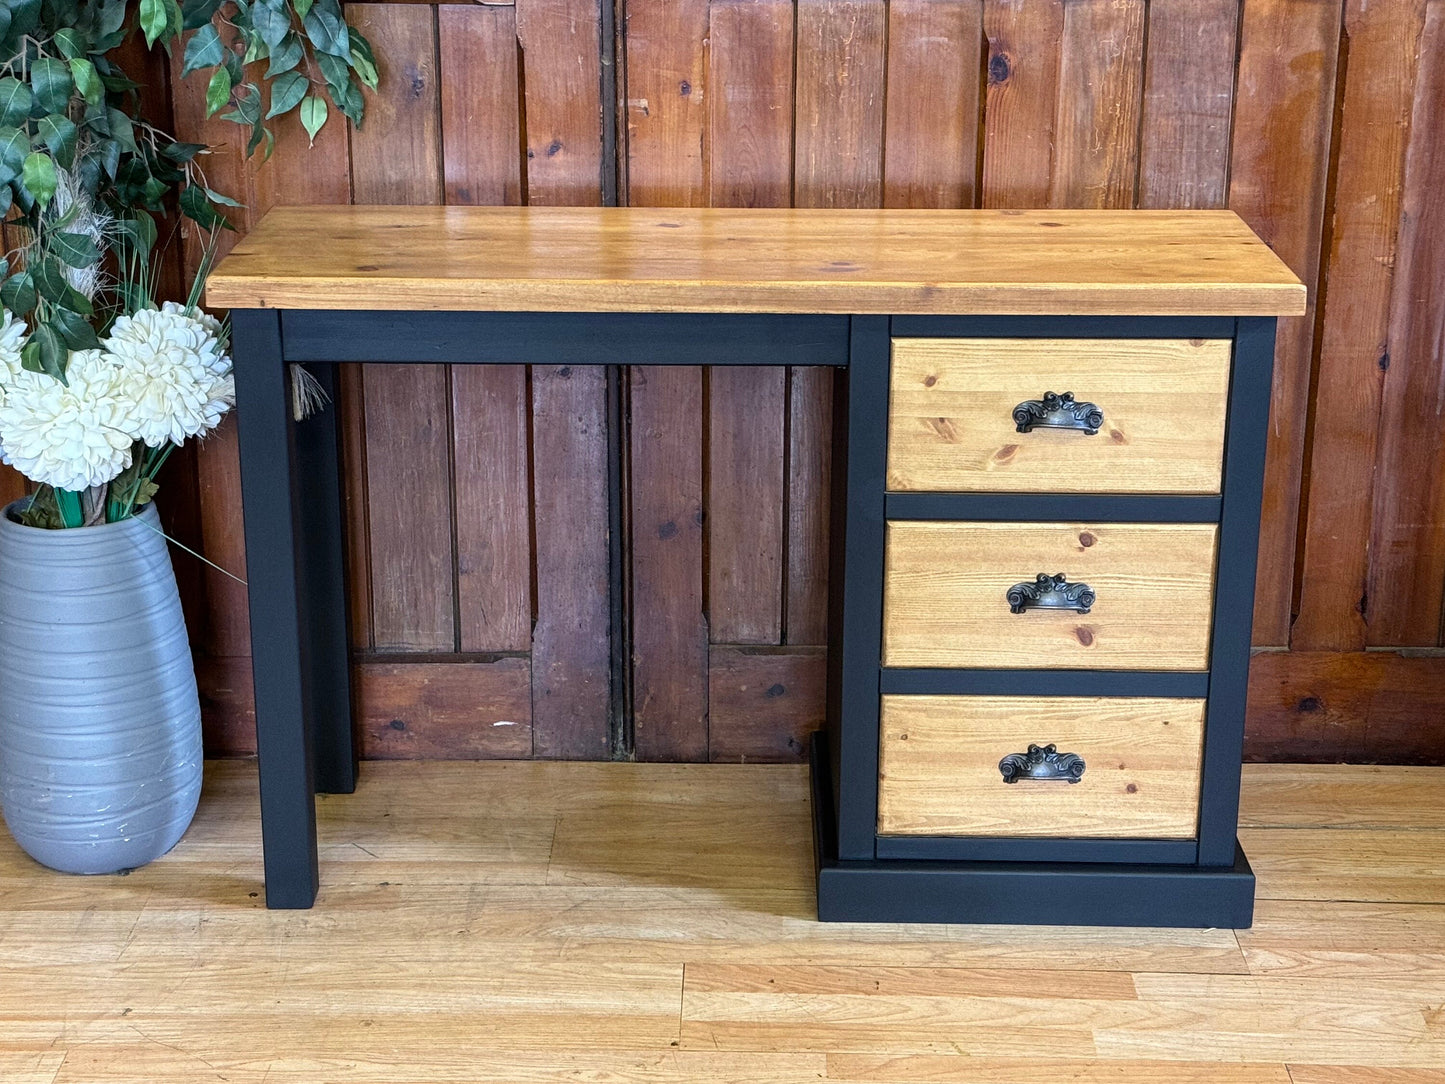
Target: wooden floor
540	922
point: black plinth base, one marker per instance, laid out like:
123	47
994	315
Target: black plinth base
1027	893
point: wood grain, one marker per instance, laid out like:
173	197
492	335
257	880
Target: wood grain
764	704
1284	110
544	259
396	157
951	426
1407	550
1021	96
746	503
1096	128
938	767
944	587
1379	85
1188	103
810	488
935	56
451	710
749	138
480	111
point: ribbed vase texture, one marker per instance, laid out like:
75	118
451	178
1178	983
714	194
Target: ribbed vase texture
100	722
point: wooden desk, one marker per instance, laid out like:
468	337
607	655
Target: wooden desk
930	320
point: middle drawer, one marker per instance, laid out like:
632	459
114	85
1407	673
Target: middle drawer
949	598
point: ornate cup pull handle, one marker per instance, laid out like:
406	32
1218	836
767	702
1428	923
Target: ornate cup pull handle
1043	762
1047	592
1057	412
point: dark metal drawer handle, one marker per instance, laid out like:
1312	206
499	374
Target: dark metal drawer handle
1042	762
1057	412
1050	593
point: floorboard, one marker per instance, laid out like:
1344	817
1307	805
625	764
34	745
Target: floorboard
547	922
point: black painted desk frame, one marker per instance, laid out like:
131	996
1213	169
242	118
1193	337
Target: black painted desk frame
291	487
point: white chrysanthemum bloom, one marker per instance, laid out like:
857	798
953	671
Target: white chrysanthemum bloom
172	366
12	338
68	436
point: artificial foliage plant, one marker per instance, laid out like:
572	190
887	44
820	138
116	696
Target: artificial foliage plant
84	180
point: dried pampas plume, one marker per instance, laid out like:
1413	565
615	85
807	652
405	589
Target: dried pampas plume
307	394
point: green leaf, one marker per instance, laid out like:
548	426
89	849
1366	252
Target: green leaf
271	21
14	146
155	20
256	49
327	29
87	80
108	153
76	249
204	50
24	16
303	8
197	13
248	105
138	233
313	115
218	91
75	330
287	92
121	130
58	133
363	59
18	292
348	99
286	57
224	201
194	206
235	67
51	82
45	353
70	42
112	17
15	100
50	279
182	152
38	176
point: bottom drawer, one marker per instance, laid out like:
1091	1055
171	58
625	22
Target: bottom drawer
940	766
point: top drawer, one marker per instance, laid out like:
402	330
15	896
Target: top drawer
952	426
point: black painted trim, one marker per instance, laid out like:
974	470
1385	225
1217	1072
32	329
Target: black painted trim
567	338
860	450
281	651
1064	327
1052	507
1054	849
325	610
1042	893
1245	442
940	682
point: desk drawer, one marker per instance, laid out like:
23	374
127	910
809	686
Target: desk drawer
940	768
947	602
956	406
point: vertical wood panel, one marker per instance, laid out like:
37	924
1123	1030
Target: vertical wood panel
1188	103
838	134
750	147
936	65
666	120
745	504
1379	85
1407	569
481	148
1022	92
396	158
1101	75
1282	134
560	42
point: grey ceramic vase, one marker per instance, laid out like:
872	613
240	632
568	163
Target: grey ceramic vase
100	723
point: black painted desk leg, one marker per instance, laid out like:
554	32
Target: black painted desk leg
280	649
324	609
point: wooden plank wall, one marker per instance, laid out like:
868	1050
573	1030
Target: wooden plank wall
478	497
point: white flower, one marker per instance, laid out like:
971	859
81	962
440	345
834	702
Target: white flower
173	368
70	437
12	338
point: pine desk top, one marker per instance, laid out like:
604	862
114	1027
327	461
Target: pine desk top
622	259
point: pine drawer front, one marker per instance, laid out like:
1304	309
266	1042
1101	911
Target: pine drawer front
952	424
940	775
947	585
